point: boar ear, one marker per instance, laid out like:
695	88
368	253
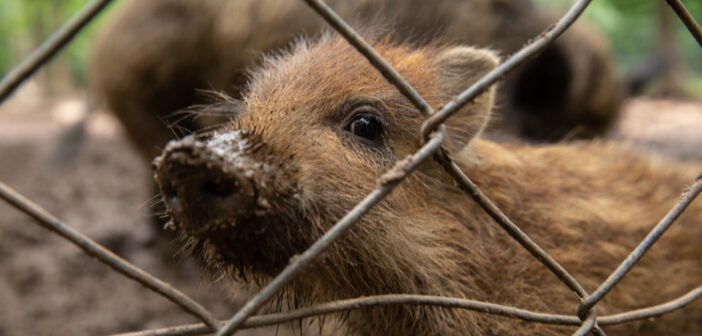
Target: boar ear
458	68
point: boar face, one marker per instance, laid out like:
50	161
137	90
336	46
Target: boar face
317	126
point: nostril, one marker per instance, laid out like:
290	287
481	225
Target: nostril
169	192
172	200
220	189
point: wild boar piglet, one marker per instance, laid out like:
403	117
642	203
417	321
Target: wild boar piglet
318	125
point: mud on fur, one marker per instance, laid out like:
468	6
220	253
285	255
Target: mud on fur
317	126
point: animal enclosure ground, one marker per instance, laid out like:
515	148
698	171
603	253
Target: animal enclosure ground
48	286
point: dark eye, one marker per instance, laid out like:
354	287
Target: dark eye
365	126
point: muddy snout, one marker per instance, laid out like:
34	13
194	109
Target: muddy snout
206	183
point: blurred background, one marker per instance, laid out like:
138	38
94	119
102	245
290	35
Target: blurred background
637	29
102	187
25	24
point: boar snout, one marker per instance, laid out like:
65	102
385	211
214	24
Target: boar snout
206	184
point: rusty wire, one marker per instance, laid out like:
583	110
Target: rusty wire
378	62
686	198
428	300
434	133
514	61
686	19
50	47
589	324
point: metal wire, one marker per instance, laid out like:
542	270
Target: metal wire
588	324
686	19
657	310
515	60
50	47
686	198
380	64
437	301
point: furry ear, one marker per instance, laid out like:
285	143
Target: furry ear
458	68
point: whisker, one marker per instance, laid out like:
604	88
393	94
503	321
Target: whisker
151	201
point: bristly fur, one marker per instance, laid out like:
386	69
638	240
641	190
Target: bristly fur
588	204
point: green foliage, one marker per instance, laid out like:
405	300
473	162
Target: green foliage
24	24
631	26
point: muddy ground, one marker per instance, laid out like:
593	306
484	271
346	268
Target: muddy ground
49	287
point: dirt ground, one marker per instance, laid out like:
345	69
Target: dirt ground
49	287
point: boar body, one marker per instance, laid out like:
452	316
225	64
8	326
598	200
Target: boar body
318	125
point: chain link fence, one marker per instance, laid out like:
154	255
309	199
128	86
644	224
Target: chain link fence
433	134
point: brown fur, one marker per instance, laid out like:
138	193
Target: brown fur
588	204
153	57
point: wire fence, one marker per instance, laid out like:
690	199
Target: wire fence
433	134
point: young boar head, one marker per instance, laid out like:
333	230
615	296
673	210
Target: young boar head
316	128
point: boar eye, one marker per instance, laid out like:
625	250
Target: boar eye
365	126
